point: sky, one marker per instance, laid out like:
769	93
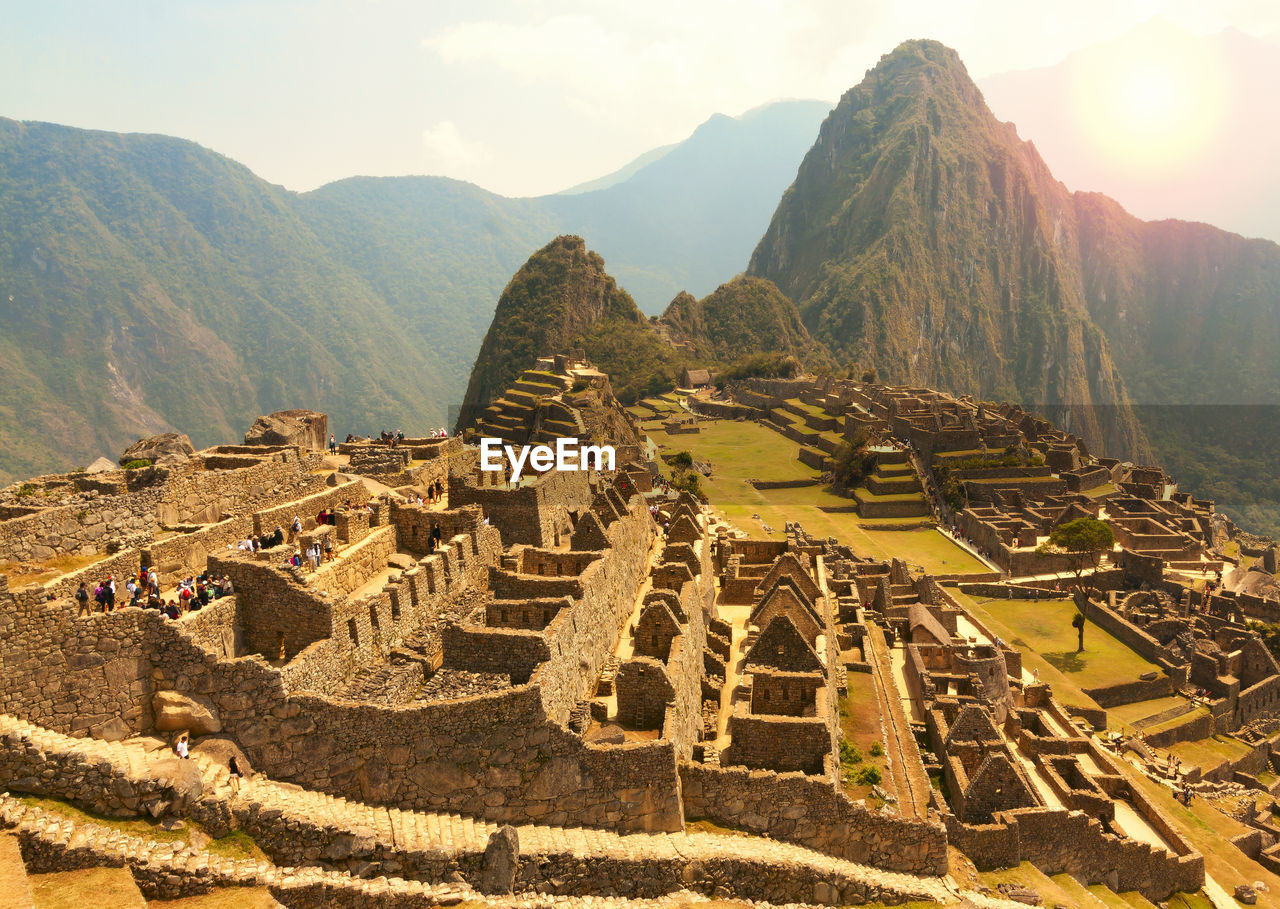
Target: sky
522	97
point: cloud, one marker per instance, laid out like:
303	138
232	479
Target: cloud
448	153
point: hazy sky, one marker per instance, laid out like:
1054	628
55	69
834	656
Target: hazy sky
520	96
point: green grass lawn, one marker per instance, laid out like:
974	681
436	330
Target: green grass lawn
1124	716
1209	753
866	495
740	451
860	721
1104	490
1044	628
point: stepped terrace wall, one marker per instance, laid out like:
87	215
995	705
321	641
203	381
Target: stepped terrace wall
581	638
810	811
535	513
307	507
495	756
1060	841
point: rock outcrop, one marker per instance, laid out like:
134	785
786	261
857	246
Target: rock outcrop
304	428
194	713
162	450
924	239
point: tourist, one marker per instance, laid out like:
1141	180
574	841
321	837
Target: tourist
82	600
328	547
296	527
181	747
233	768
333	444
153	581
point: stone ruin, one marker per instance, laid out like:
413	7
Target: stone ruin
531	687
469	694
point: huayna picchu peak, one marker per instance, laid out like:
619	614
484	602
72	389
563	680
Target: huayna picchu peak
923	238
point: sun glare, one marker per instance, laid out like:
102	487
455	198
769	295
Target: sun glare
1152	110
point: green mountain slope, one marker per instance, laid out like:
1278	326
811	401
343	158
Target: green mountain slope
562	298
149	283
923	238
158	285
746	315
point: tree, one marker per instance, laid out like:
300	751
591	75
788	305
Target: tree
1084	540
869	376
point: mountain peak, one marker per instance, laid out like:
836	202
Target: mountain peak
922	236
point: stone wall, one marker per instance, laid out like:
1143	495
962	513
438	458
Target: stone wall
83	676
580	639
784	743
535	513
186	552
277	613
811	812
355	565
308	506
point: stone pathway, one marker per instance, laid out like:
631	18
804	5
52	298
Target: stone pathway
311	815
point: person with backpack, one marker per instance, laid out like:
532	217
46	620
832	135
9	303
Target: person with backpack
82	600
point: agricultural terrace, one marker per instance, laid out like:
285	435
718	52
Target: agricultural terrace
741	451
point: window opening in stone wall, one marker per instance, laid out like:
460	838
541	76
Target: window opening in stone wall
351	630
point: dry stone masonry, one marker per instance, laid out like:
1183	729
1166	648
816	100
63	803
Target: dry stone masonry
479	686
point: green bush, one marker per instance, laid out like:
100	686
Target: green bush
25	490
869	776
876	749
849	753
682	459
853	463
137	464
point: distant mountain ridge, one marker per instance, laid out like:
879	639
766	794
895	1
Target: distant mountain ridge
924	238
149	284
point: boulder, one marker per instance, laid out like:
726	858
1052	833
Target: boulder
102	465
180	783
164	449
1271	560
501	864
193	713
220	749
1246	894
303	428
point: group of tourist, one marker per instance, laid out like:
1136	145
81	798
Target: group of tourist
255	543
143	590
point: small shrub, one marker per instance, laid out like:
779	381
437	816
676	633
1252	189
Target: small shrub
137	464
876	749
682	459
849	753
869	776
25	490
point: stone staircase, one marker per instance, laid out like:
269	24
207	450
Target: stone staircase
171	870
297	826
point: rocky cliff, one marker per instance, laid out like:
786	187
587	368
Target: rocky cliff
743	316
923	238
562	298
